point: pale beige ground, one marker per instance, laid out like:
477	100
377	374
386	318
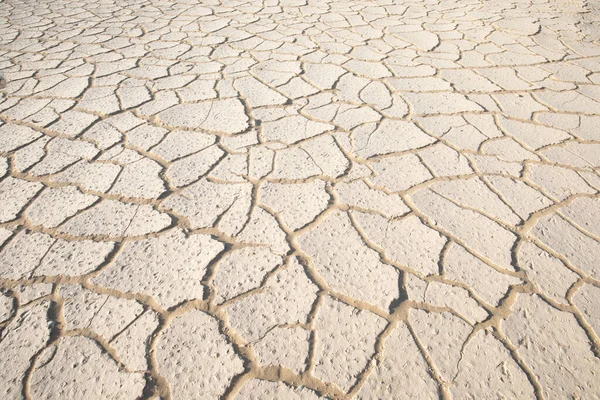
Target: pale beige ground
300	199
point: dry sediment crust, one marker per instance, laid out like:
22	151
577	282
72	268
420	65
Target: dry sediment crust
299	199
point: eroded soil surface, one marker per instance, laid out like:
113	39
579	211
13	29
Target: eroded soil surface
300	199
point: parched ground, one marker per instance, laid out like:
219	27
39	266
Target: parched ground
300	199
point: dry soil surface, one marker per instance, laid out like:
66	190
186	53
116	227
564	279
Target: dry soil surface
300	199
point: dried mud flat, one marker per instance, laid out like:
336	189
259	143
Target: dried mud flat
299	199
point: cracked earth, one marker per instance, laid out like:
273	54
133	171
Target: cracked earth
300	199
